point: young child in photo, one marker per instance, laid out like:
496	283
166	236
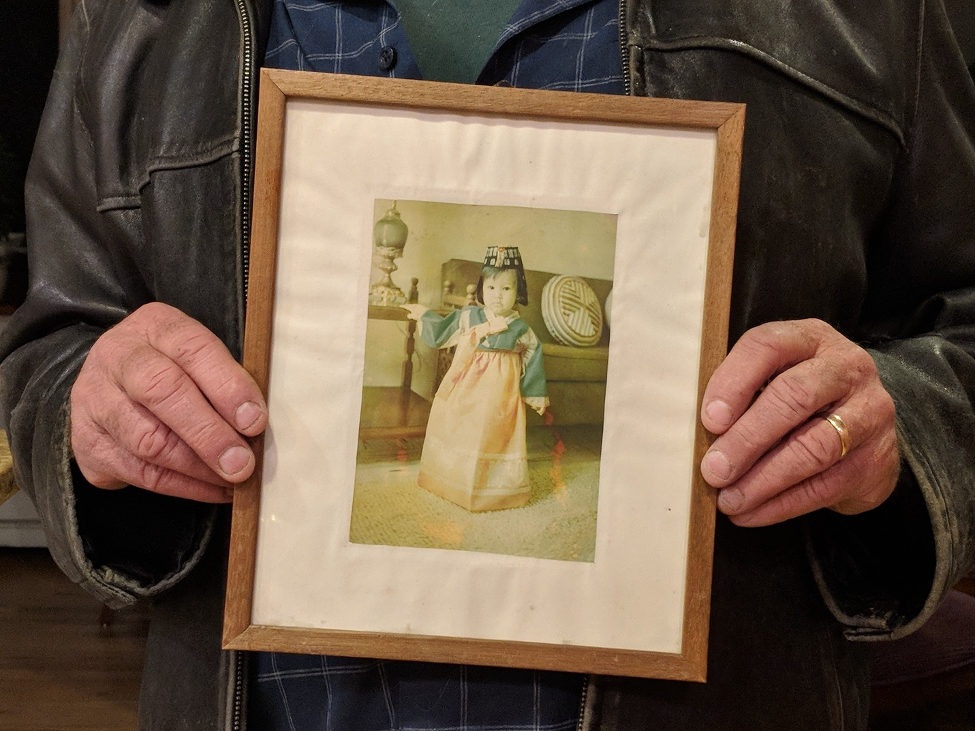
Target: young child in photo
475	448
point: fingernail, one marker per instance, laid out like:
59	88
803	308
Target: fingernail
233	460
730	500
719	412
229	493
247	414
718	464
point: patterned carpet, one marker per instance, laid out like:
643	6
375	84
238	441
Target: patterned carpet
558	523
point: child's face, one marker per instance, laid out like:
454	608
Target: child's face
499	292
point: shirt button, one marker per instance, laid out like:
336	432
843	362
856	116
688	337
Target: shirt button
387	59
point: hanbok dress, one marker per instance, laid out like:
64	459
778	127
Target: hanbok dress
475	446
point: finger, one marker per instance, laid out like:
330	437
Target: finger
785	404
106	465
801	499
874	471
230	389
811	449
115	424
760	354
139	433
152	380
151	477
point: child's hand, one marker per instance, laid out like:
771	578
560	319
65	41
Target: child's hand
415	312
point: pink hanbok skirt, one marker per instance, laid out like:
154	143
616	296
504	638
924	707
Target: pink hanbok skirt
475	447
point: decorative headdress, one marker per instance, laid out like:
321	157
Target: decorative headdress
502	258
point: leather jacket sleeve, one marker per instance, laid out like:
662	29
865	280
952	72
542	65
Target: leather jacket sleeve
884	573
88	270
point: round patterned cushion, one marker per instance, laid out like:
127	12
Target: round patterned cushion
572	312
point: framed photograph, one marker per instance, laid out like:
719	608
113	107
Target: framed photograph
483	319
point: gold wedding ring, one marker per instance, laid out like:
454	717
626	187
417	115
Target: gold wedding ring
838	423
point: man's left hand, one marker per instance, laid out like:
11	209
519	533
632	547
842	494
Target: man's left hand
777	455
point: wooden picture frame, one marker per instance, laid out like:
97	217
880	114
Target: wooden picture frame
662	177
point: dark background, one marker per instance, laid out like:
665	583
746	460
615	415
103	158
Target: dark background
28	49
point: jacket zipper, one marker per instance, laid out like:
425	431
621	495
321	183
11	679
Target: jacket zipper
247	133
622	36
237	721
583	702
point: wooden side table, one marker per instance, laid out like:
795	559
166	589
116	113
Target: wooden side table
394	412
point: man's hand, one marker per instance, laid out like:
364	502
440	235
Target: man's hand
161	404
777	456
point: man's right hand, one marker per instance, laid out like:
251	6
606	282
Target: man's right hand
160	403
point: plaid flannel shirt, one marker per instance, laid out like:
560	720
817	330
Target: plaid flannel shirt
568	45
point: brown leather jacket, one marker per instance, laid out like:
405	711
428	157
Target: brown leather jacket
856	207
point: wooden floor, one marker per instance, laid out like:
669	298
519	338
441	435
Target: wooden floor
60	669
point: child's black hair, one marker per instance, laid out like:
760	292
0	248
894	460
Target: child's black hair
522	291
